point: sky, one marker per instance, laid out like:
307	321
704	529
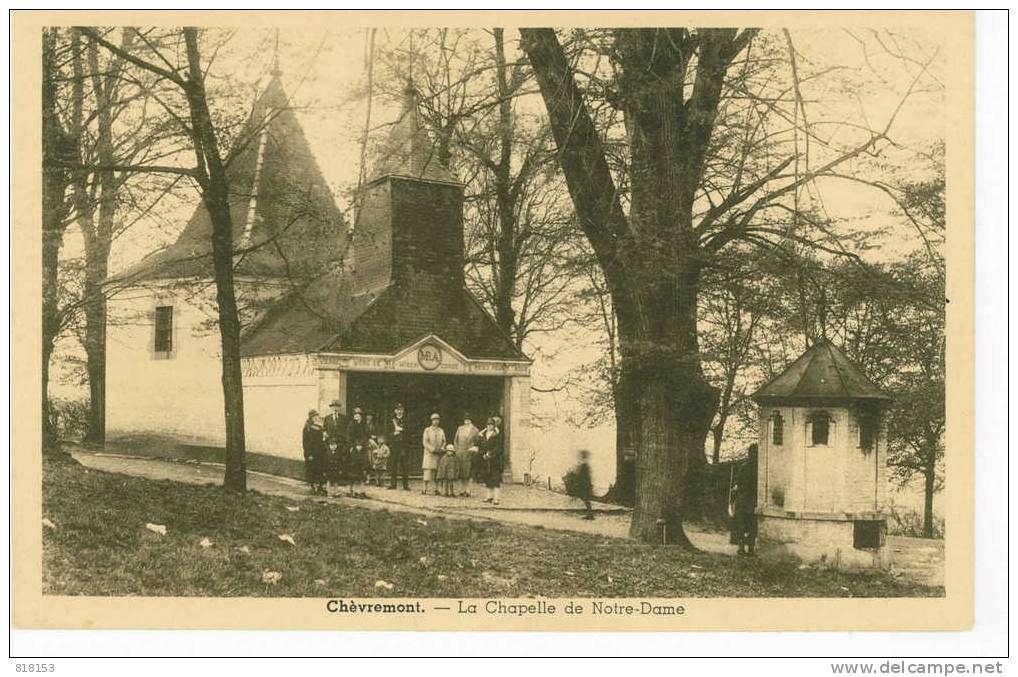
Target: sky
323	71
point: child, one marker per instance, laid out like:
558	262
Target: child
379	458
447	471
357	468
583	486
334	467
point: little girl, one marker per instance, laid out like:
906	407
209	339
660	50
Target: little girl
379	458
447	471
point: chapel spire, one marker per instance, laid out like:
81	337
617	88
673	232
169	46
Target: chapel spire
407	150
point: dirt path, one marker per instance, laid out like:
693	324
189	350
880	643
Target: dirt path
919	559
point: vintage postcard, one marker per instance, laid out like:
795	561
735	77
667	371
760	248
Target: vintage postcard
504	321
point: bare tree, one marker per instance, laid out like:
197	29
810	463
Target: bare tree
59	154
671	85
209	173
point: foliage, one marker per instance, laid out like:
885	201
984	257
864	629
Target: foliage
70	418
100	547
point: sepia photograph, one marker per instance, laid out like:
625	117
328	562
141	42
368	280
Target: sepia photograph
455	324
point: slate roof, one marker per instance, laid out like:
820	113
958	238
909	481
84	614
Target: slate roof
279	202
337	313
329	316
407	150
822	372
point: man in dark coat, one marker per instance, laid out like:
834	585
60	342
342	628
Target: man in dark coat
337	441
744	520
399	456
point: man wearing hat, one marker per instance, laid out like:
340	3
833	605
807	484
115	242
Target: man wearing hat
357	434
434	443
336	441
399	461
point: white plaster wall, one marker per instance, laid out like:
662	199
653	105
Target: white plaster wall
823	478
778	463
274	416
517	403
830	543
179	396
840	477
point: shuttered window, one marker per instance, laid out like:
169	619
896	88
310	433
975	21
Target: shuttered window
867	431
777	430
820	429
164	329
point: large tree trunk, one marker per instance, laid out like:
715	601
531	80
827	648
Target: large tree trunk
675	407
96	270
58	152
627	440
652	259
215	195
98	236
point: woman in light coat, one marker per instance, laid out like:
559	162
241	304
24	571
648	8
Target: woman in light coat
465	442
433	441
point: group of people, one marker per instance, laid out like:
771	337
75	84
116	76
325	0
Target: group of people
473	456
353	451
338	450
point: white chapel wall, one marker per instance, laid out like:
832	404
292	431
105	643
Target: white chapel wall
278	392
176	395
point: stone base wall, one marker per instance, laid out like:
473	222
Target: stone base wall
827	542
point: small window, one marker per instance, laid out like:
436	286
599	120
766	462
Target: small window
868	534
820	429
777	429
164	329
867	432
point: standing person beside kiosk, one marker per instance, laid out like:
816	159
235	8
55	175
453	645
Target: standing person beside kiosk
433	441
744	527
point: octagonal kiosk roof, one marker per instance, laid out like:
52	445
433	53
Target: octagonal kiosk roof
823	374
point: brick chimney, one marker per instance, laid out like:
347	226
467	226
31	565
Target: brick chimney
409	228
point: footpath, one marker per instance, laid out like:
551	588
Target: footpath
919	559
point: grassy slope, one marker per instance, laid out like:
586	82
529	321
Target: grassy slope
101	547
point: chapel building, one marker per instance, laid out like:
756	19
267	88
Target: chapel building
370	314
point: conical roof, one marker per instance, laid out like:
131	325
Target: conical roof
285	219
823	372
407	151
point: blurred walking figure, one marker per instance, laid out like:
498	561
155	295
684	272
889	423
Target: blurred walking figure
580	485
744	502
314	453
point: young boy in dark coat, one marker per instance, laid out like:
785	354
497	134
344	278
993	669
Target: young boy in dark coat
584	485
